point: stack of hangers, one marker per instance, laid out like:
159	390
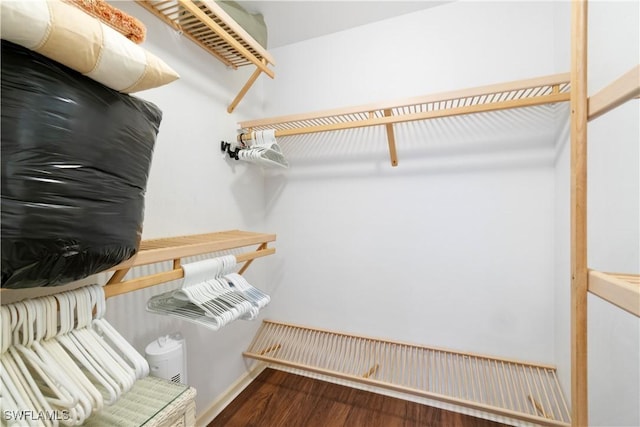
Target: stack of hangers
263	149
61	360
211	295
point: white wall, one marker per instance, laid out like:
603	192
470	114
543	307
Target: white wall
613	217
561	252
434	251
193	189
438	49
453	247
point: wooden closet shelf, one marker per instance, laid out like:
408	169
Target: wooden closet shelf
516	94
175	248
520	390
621	90
521	93
622	290
157	250
210	27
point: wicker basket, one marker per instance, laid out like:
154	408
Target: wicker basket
152	402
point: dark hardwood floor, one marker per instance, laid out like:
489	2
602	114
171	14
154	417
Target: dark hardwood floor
276	398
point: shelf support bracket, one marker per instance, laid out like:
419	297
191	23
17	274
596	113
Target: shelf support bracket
119	287
391	139
248	262
117	276
245	88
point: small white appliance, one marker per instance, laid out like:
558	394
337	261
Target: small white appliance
167	358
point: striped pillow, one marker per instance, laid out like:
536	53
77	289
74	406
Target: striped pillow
71	37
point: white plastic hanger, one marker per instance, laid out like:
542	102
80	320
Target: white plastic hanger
39	322
8	402
218	297
111	391
13	388
206	296
213	296
136	360
90	339
264	151
36	398
61	394
85	337
53	358
167	304
47	308
5	325
188	302
47	367
14	384
12	397
257	298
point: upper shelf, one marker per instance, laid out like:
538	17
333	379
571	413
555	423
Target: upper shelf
175	248
517	94
521	93
210	27
622	290
621	90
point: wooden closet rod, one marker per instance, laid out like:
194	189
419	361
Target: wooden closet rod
114	288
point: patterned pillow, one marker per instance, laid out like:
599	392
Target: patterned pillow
71	37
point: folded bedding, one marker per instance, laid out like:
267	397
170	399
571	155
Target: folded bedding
252	23
72	37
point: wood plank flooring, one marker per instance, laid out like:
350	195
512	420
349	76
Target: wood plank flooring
276	398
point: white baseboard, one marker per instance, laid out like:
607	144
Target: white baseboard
222	400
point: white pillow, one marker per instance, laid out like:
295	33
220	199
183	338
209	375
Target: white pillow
74	38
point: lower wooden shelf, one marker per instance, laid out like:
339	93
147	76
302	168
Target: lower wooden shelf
176	248
515	389
622	290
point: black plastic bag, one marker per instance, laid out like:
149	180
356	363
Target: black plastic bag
75	162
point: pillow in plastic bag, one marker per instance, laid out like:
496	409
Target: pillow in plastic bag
75	162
